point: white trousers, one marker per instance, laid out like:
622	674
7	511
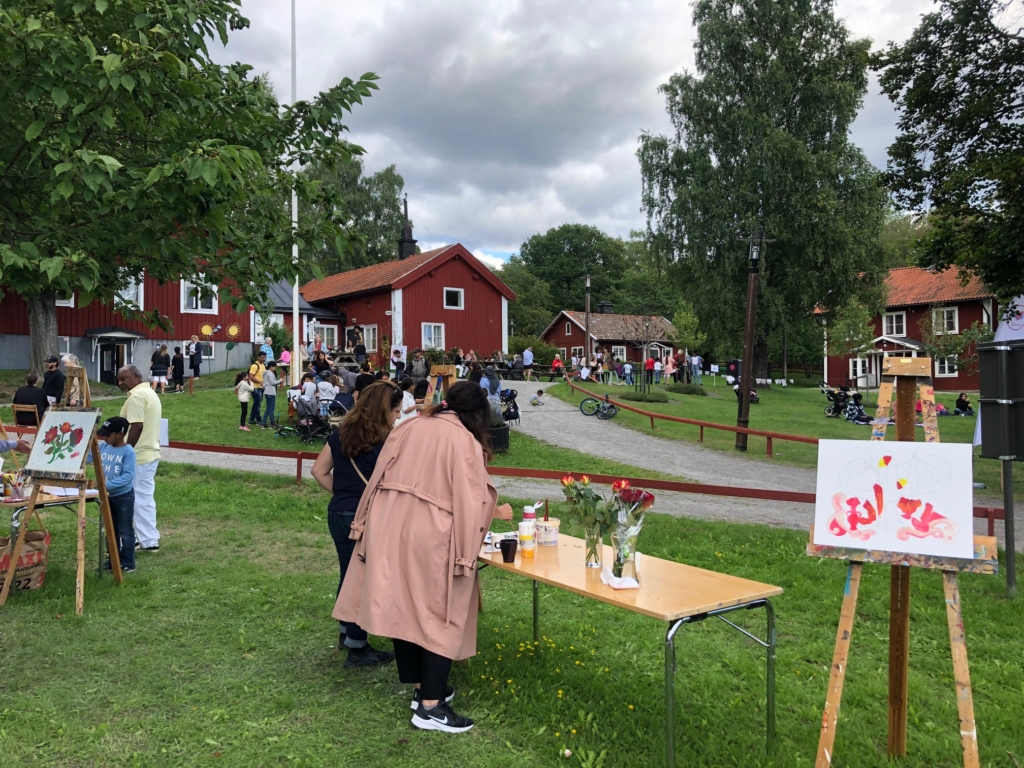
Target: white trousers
145	506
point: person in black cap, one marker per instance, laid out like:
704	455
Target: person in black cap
53	380
118	459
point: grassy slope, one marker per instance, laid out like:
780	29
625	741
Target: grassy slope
218	651
794	411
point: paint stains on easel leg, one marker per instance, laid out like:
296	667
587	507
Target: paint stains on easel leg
961	671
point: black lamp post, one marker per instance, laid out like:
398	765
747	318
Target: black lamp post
587	350
757	242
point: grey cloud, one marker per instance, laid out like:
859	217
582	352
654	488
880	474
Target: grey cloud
509	117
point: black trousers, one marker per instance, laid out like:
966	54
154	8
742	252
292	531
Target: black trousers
340	524
245	410
418	665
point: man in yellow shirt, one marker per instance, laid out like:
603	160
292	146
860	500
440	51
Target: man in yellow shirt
256	371
143	411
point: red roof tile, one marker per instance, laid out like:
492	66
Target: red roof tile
366	279
622	327
913	286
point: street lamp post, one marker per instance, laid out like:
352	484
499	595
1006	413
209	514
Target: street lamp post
587	349
757	242
296	357
647	353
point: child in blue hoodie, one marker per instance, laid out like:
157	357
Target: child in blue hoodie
118	459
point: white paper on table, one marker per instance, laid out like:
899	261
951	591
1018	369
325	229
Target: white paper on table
622	582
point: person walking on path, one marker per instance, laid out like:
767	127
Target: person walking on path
418	531
53	381
343	467
696	361
528	363
30	394
143	411
243	391
270	384
195	356
118	459
159	368
256	371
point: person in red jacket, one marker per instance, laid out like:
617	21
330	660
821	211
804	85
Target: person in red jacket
649	369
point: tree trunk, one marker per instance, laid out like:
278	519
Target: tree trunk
42	328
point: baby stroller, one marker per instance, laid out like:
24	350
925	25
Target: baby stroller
509	406
311	426
838	398
338	408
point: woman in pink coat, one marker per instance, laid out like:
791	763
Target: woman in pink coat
419	528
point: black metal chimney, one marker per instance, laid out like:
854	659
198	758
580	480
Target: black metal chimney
406	244
606	308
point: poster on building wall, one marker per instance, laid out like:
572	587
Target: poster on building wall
913	498
398	356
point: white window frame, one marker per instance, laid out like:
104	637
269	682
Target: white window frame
619	352
577	352
70	303
945	367
209	349
462	298
320	328
903	323
185	285
858	368
568	329
423	335
370	348
561	353
139	288
943	312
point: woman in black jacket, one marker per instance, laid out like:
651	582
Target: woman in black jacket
159	366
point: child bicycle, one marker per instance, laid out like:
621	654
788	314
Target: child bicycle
591	406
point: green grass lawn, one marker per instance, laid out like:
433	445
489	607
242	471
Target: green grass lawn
795	411
220	651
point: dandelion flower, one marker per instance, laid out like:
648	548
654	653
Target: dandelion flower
573	731
559	694
631	706
508	681
557	733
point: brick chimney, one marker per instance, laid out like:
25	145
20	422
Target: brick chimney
606	308
406	244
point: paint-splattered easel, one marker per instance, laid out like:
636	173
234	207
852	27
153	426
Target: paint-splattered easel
76	377
909	375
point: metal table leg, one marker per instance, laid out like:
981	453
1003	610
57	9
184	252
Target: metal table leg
536	611
770	610
670	693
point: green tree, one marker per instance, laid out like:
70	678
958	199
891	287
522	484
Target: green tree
372	208
688	333
562	257
124	148
957	83
761	138
900	238
961	347
533	309
850	329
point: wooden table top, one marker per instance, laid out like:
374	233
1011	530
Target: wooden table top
668	590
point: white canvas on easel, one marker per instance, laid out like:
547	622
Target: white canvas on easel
913	498
62	442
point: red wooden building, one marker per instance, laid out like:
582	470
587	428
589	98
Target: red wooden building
616	333
439	299
104	340
914	294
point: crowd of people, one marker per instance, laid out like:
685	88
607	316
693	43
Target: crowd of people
603	367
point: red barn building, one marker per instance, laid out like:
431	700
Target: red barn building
616	333
439	299
914	294
104	340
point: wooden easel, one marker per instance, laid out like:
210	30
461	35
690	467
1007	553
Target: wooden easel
82	484
908	375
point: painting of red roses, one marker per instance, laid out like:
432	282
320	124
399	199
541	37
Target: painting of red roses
63	441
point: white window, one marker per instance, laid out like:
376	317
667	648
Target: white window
454	298
433	335
370	338
619	353
945	366
577	352
328	333
895	324
568	329
69	302
130	294
945	320
858	367
209	348
198	298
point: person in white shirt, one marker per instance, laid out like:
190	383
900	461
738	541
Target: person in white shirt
409	408
657	371
325	392
627	373
528	362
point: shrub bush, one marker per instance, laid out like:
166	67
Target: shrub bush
644	397
687	389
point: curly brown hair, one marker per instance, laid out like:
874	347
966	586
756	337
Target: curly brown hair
369	422
468	401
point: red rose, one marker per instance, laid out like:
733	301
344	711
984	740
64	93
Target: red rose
76	436
620	485
51	435
65	427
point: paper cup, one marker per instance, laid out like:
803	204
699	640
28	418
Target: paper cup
547	532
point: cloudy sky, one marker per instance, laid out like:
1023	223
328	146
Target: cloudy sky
508	117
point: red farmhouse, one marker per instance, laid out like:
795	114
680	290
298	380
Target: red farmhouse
913	293
617	333
439	299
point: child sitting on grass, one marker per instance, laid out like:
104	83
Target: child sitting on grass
118	459
244	390
537	399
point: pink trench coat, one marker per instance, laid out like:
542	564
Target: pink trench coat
419	527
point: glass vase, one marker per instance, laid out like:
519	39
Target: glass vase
594	546
624	549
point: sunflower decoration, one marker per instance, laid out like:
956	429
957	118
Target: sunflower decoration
206	330
234	330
